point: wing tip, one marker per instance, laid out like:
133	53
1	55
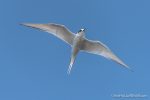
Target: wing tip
130	69
36	26
126	66
24	24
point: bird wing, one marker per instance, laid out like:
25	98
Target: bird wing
96	47
57	30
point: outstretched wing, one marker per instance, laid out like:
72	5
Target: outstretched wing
57	30
96	47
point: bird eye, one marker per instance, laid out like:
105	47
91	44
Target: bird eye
79	30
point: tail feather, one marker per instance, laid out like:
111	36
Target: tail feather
73	56
71	64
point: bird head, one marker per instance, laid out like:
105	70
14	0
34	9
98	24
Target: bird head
81	30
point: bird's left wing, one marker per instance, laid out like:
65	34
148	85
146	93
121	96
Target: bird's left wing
57	30
96	47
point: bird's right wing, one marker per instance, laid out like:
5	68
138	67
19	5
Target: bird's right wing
57	30
96	47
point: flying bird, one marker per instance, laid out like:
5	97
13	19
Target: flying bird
78	42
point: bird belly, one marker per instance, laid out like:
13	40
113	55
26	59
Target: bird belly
77	42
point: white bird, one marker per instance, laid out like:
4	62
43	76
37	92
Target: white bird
78	42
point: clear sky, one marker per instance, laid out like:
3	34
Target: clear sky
33	64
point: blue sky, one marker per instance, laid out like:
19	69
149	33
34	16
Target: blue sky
33	64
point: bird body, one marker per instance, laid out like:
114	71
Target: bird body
78	42
79	38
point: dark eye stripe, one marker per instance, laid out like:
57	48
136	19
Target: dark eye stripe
80	30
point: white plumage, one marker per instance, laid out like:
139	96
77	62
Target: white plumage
77	41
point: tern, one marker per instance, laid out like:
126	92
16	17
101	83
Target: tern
78	42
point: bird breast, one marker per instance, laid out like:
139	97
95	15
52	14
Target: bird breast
78	41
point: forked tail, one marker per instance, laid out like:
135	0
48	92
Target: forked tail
73	56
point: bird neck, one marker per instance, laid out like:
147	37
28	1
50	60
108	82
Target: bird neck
82	34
